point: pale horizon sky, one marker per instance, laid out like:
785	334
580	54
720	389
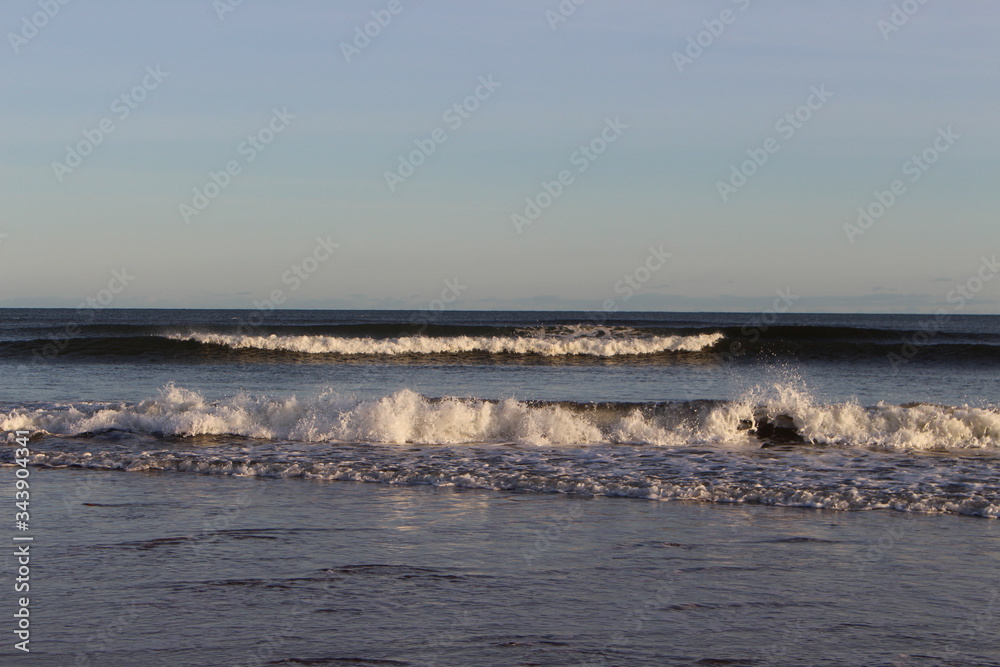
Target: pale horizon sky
199	82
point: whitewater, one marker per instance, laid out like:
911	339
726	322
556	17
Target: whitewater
844	457
408	417
549	346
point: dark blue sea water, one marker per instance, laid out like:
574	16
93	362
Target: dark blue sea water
515	432
301	392
62	354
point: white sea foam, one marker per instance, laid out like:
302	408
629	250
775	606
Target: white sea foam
546	345
403	417
668	452
783	479
885	426
407	417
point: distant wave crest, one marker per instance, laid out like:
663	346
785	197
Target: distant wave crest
545	345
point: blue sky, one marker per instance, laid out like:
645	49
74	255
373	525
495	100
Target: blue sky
554	86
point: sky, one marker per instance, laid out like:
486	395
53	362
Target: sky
581	155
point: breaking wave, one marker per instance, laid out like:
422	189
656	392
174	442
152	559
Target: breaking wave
545	345
776	416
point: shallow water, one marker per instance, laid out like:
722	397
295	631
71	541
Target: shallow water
205	570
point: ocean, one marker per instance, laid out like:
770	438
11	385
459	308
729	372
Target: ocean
217	487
